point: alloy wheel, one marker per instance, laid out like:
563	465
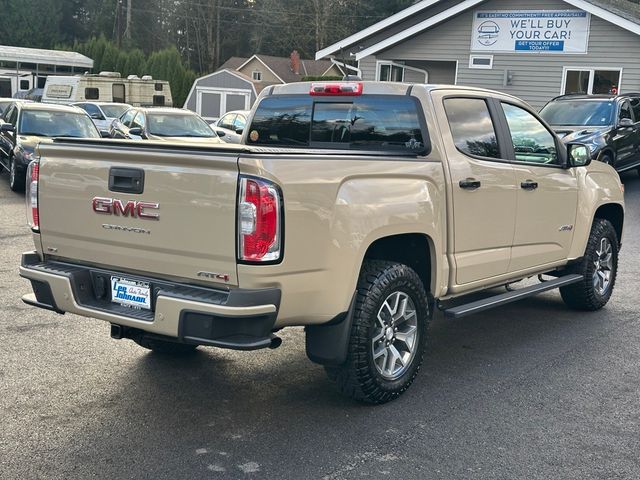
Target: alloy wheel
395	338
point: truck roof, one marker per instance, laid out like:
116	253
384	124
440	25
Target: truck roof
376	88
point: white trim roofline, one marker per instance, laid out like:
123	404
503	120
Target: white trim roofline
605	15
376	27
462	6
417	28
263	63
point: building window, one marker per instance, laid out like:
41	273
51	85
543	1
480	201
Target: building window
24	84
481	61
91	93
592	81
257	76
389	72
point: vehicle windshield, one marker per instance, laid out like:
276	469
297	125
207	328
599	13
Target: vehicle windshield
579	113
178	125
45	123
114	111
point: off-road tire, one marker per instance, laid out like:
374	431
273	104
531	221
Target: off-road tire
359	377
584	295
164	347
17	178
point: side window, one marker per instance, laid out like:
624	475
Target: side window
472	127
139	121
635	106
239	122
91	93
625	110
532	142
7	114
127	117
13	116
227	121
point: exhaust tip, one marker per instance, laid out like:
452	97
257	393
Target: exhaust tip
275	342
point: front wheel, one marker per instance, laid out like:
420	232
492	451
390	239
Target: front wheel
388	334
599	267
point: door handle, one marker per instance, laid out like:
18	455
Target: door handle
529	185
469	184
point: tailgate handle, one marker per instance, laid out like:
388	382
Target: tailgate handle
126	180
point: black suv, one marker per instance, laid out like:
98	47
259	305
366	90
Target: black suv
608	124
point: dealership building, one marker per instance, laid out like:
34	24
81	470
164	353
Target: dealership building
535	49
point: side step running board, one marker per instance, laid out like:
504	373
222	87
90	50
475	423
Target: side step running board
504	298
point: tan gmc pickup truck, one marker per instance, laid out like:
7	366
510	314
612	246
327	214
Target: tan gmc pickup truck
353	209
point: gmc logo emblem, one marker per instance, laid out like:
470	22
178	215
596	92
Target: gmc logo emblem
133	209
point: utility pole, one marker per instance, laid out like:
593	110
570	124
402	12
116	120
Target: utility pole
127	30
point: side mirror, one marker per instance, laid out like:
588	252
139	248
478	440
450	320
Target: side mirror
625	123
135	131
239	131
97	116
220	133
7	127
579	155
105	134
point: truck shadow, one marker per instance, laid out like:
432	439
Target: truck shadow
218	412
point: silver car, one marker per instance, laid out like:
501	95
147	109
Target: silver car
231	126
103	113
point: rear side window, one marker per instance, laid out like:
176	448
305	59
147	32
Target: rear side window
373	122
471	126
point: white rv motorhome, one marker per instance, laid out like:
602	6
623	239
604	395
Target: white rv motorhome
108	87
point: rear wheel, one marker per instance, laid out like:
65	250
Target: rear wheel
164	347
17	177
599	267
388	334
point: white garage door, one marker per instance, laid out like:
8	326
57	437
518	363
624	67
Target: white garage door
212	103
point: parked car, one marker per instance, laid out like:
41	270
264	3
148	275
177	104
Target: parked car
608	124
26	124
231	125
5	102
175	124
103	113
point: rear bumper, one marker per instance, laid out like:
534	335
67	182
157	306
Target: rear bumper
238	319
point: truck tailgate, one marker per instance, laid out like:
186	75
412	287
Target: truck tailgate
194	236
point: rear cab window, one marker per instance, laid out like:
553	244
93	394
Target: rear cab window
369	122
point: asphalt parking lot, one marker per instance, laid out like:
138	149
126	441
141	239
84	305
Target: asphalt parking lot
531	391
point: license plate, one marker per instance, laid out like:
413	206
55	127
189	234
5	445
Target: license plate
130	293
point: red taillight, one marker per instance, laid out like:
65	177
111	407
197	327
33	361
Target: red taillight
349	89
259	222
31	195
